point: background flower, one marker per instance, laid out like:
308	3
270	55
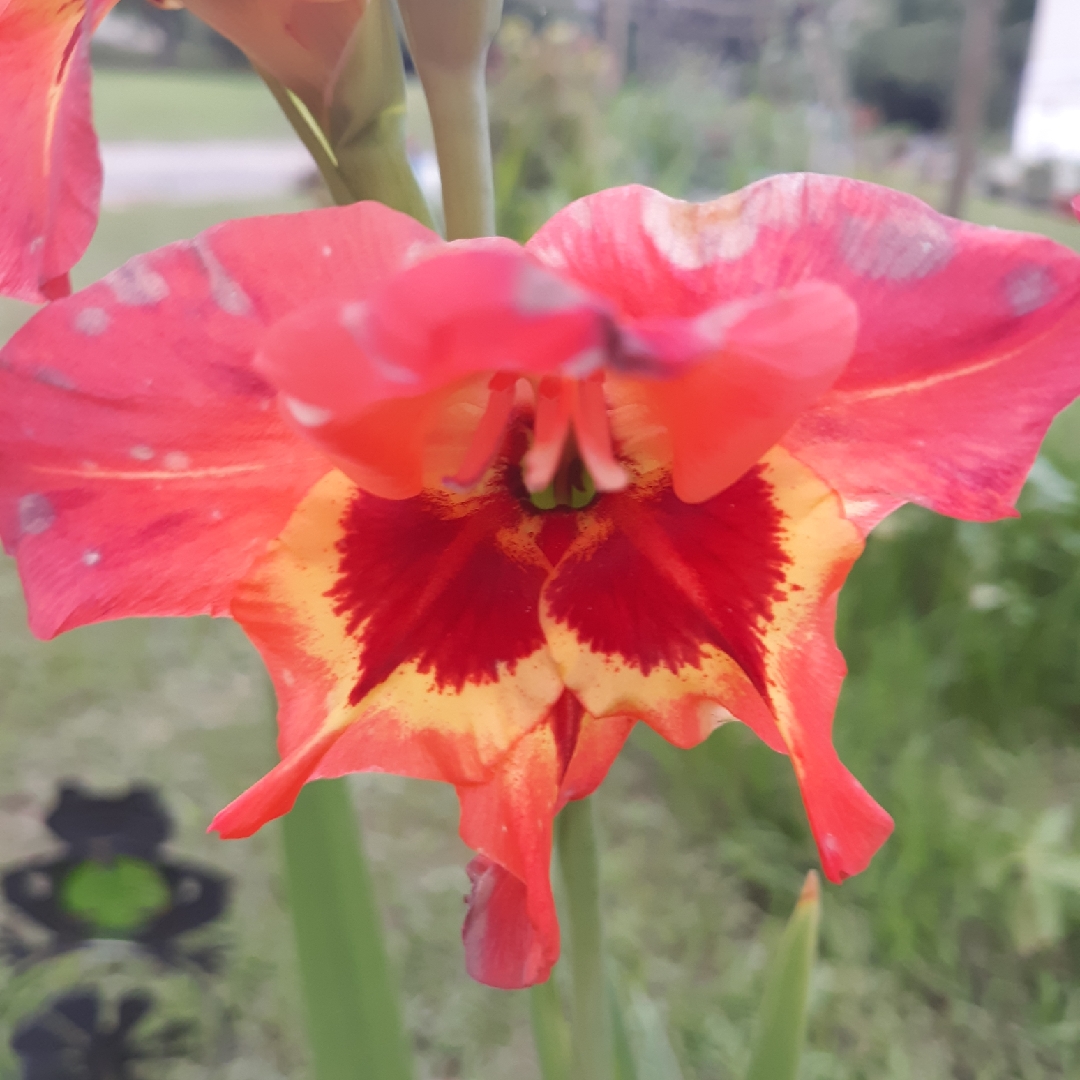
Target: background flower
299	42
50	175
50	171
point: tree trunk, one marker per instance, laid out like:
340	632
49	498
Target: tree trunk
617	34
978	50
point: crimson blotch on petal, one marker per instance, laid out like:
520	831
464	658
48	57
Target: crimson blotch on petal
485	507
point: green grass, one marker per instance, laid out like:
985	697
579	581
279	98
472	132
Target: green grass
176	105
1059	227
1003	215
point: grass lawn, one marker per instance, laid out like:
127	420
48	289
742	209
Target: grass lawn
1064	230
956	957
1003	215
176	105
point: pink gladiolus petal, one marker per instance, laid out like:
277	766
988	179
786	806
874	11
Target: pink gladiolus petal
143	466
967	337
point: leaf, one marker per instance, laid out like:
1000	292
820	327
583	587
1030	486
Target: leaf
551	1033
781	1025
351	998
654	1059
1050	871
620	1036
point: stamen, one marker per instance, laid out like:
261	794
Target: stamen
487	439
594	436
550	429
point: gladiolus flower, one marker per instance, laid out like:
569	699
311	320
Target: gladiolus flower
482	508
50	172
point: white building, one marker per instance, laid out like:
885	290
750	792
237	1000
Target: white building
1047	124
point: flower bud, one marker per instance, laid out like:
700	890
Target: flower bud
449	41
299	42
452	35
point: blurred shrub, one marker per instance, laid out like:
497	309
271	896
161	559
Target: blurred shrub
996	605
906	72
905	68
548	92
688	137
561	131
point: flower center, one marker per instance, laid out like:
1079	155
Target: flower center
572	485
571	457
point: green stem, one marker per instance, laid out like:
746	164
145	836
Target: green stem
622	1051
376	167
354	1025
457	101
550	1033
590	1035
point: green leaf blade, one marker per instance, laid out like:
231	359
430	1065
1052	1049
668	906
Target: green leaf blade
654	1056
551	1033
781	1027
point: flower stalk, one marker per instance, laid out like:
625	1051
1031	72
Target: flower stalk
354	1025
366	122
551	1035
590	1032
449	42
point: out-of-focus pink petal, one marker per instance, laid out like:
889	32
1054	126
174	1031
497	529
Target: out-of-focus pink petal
50	173
774	358
366	381
471	309
369	382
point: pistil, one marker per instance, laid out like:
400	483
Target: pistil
571	457
571	487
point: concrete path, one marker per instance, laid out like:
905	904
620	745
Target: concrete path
189	173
